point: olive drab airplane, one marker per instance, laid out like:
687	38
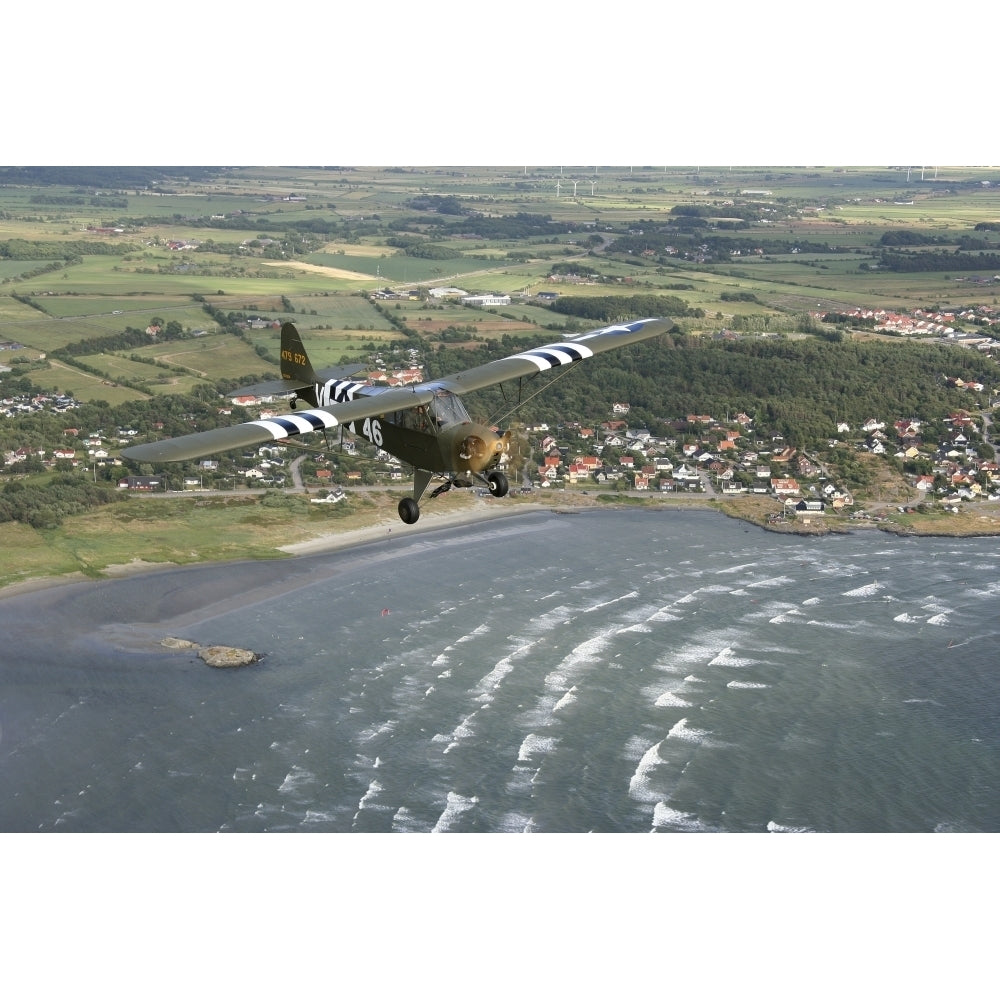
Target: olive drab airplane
424	425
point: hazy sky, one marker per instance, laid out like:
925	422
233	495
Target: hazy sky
772	82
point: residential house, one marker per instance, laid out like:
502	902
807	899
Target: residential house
784	487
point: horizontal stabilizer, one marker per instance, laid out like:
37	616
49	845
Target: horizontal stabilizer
285	387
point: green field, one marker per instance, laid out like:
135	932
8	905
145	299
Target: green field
334	227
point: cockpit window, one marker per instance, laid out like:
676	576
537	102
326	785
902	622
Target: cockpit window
443	410
446	408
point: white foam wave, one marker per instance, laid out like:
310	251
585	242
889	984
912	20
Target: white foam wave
533	745
372	732
670	700
746	685
774	581
665	817
941	619
566	700
728	658
457	806
785	618
664	616
405	822
639	787
868	590
295	778
773	827
906	618
583	654
369	799
811	600
608	603
461	732
515	823
315	816
494	678
735	569
682	731
478	630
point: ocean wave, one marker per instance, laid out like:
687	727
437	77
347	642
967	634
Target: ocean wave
839	626
457	806
566	700
533	745
939	619
478	630
739	568
785	618
370	799
513	822
664	616
868	590
295	778
667	818
494	678
405	822
746	685
728	658
670	700
773	827
639	787
609	602
682	731
773	581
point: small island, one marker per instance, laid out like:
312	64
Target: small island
215	656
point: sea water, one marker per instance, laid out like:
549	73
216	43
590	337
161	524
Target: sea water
599	671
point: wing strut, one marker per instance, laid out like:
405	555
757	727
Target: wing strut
495	421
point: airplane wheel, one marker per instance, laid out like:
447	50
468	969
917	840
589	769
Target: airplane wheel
498	484
409	511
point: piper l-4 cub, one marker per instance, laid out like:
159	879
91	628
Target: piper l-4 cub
424	425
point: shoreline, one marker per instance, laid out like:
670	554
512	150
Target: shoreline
390	529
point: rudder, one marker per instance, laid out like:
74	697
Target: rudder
295	365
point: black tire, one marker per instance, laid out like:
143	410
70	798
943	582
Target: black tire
498	484
409	511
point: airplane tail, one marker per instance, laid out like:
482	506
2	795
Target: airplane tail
295	365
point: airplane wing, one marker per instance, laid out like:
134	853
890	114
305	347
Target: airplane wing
565	352
258	432
374	401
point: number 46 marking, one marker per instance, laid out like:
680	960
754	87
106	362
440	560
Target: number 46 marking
372	430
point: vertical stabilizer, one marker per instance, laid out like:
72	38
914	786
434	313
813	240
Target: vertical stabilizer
295	366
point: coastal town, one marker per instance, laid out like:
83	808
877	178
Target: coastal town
705	456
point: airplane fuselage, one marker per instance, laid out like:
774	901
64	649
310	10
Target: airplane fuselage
440	437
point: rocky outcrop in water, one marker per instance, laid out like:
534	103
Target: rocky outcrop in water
216	656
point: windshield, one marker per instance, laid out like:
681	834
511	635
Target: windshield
447	408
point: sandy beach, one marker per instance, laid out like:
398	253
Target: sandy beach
136	605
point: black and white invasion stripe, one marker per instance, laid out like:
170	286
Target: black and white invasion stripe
297	423
553	355
338	391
